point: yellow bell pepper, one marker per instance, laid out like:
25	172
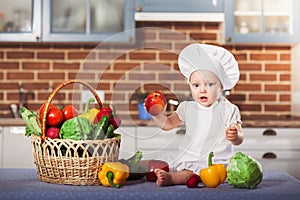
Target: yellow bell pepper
214	175
89	114
113	174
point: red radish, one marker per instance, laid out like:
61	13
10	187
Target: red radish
52	132
192	181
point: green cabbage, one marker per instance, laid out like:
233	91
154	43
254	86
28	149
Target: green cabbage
77	128
244	171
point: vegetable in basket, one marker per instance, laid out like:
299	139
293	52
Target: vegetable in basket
214	175
30	119
136	170
113	174
89	114
114	119
244	171
100	129
69	112
77	128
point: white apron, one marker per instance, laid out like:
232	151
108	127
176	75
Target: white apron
205	132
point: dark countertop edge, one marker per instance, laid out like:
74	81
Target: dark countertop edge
246	124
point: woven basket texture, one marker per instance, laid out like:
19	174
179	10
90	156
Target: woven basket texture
72	162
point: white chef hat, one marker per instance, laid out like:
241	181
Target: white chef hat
212	58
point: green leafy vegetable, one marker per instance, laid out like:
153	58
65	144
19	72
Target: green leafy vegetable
244	171
31	123
77	128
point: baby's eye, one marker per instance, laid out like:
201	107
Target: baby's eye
210	84
195	85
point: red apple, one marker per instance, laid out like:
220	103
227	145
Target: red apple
155	103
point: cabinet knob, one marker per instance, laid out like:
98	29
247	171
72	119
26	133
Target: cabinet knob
37	38
269	132
181	131
228	39
138	9
269	155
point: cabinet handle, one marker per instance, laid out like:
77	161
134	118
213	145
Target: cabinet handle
269	155
180	132
269	132
228	39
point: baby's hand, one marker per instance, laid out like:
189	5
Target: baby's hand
231	132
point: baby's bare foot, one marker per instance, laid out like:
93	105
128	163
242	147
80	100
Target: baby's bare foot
163	177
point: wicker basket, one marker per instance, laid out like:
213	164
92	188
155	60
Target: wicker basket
64	161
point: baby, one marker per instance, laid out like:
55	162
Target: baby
213	124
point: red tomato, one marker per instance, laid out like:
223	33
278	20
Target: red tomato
42	108
155	103
69	112
54	117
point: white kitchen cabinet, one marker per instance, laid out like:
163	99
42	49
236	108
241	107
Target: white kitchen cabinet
152	140
128	141
67	21
16	150
261	21
274	148
88	20
20	20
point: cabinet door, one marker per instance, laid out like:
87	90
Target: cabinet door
88	20
17	150
20	20
274	148
153	141
128	141
263	21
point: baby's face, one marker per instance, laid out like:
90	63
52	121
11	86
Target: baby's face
205	87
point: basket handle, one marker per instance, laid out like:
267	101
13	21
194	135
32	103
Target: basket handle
61	85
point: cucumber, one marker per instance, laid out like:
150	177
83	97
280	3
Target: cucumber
101	127
110	131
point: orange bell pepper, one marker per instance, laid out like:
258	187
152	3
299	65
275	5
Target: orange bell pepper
214	175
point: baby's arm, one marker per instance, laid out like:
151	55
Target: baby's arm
234	134
167	122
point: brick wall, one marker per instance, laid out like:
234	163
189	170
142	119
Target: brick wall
264	89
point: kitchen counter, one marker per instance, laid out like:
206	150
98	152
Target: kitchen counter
24	184
12	122
292	122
